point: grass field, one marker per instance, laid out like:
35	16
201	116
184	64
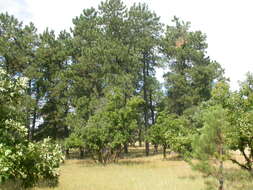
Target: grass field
132	173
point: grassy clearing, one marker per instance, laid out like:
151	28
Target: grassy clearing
135	172
132	173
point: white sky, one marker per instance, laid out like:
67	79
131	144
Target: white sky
227	23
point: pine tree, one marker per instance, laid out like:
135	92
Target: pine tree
52	58
191	72
210	148
146	28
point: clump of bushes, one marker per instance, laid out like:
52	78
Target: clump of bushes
29	163
21	161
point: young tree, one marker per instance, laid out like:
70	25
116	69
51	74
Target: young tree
111	127
210	147
170	131
74	141
159	133
241	132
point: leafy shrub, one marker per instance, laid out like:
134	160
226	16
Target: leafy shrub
111	127
73	141
22	161
171	131
29	162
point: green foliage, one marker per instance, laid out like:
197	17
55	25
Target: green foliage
172	132
16	44
88	83
210	147
241	132
158	132
51	84
11	98
213	133
73	141
191	75
145	37
30	163
221	94
239	111
20	160
110	128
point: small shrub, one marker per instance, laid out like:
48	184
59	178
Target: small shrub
31	162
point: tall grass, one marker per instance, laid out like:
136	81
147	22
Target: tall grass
135	172
132	173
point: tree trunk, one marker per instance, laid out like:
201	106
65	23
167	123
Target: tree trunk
29	93
67	153
152	117
126	148
33	122
100	157
139	138
152	110
221	168
147	148
145	97
221	178
164	152
156	148
35	115
81	152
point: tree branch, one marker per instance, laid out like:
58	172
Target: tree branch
239	164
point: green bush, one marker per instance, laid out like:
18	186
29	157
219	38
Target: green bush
22	161
110	128
73	141
28	163
171	131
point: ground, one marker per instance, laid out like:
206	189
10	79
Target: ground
135	172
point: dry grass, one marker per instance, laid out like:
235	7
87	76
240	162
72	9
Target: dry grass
132	173
135	172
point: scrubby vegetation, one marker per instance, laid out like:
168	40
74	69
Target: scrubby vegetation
22	161
94	89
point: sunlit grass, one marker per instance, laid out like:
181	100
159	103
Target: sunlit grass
132	173
135	172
